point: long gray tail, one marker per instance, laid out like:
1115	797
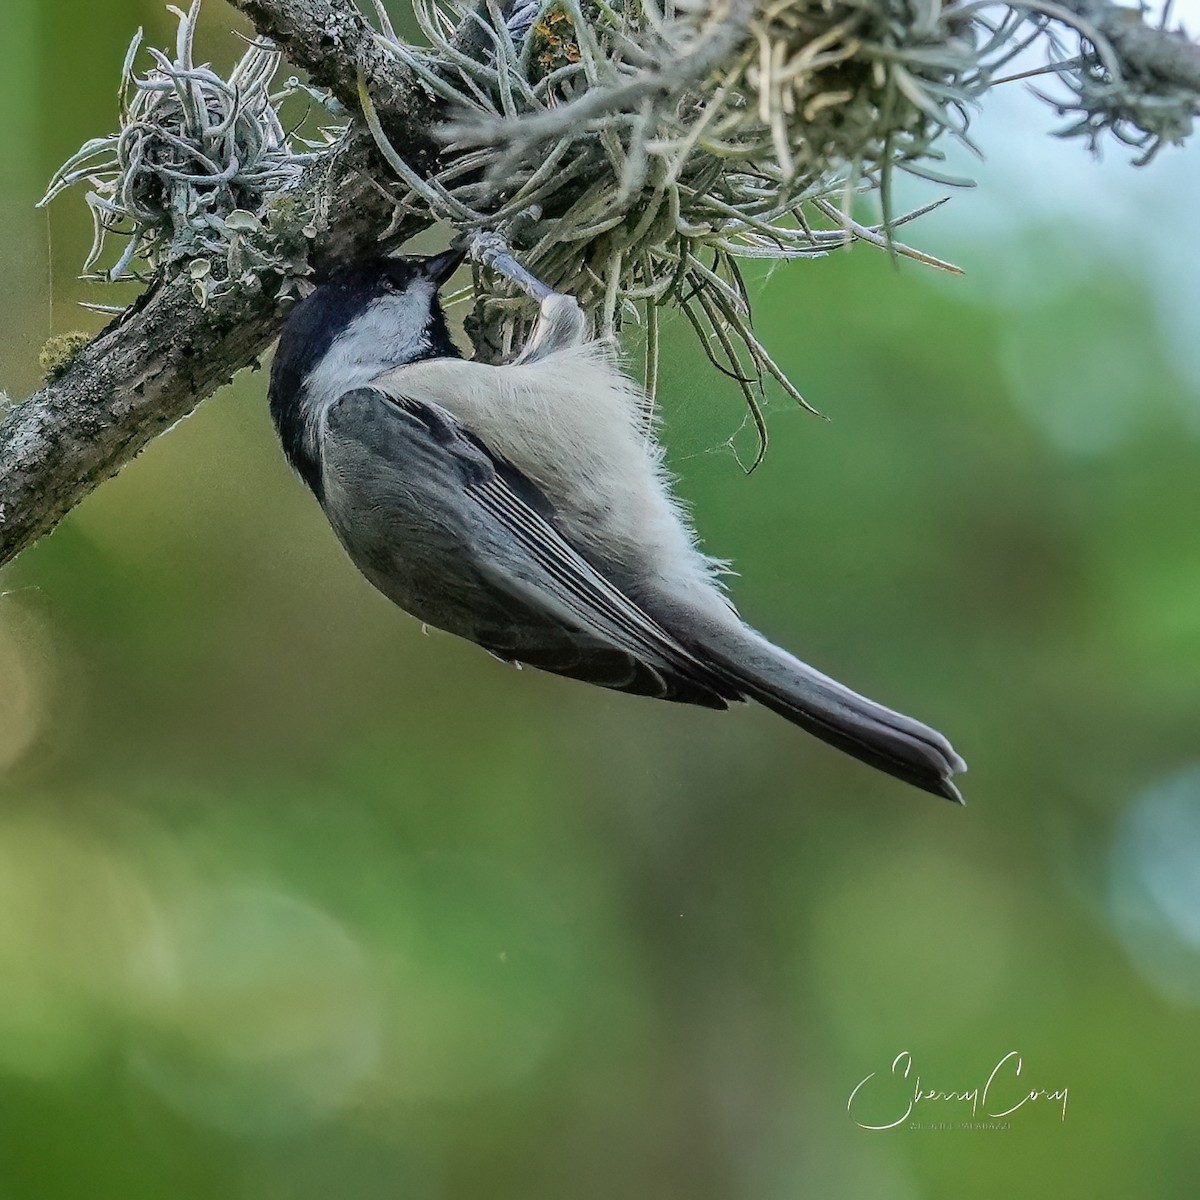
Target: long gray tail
876	735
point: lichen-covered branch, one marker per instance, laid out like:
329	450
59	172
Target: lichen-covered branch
154	364
333	42
631	151
157	361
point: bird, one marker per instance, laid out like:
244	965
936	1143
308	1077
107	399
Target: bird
526	507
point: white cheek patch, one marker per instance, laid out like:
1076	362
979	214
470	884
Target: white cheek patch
392	331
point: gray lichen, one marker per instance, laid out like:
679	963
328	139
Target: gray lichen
187	178
635	152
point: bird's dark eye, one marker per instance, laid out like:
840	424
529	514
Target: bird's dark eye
397	276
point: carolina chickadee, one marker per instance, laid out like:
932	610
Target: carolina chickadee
525	507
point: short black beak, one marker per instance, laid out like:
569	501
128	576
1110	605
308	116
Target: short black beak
439	267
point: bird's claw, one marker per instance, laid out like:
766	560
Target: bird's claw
485	246
490	249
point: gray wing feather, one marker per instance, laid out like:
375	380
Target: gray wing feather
463	541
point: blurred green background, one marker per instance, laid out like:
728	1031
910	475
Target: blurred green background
297	902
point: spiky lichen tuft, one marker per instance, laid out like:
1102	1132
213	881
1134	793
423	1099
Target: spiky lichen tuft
1101	104
634	152
636	157
187	177
637	153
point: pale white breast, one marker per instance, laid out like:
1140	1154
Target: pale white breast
573	423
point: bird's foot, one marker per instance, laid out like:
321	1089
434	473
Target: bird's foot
561	322
493	252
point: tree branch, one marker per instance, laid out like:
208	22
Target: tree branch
152	366
1143	49
331	40
156	362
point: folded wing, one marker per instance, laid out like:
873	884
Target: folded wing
460	539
